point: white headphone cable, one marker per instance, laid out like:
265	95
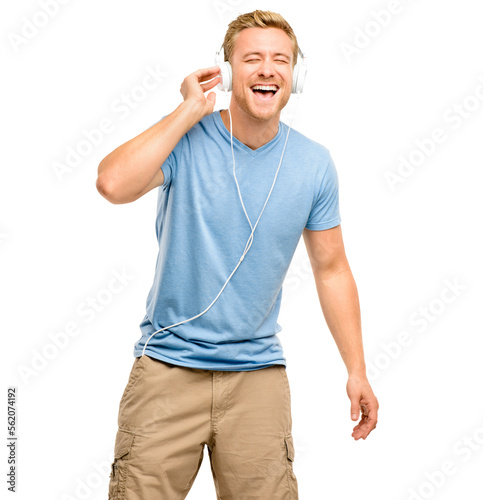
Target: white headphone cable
250	239
273	184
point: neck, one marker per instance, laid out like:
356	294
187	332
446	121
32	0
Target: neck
248	130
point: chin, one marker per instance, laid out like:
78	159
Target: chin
260	110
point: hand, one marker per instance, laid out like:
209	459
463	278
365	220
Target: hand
196	84
362	399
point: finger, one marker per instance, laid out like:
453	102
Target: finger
354	409
356	435
210	78
368	419
209	85
370	425
359	426
364	428
211	97
371	417
360	433
207	73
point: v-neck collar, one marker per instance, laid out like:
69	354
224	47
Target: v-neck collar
240	145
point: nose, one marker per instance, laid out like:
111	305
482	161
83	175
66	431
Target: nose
266	68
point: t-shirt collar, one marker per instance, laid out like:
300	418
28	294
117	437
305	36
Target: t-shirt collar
240	145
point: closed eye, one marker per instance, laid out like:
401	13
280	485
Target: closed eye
277	60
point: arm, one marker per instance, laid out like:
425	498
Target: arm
133	169
339	300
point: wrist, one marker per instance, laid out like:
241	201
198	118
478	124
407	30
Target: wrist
357	372
192	110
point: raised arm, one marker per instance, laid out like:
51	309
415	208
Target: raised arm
134	168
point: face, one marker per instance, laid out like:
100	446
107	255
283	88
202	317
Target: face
262	57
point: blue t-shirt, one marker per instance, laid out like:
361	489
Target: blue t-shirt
202	232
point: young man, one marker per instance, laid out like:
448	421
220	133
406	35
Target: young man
216	375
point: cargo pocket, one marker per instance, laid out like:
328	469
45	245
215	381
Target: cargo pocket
122	449
291	479
289	447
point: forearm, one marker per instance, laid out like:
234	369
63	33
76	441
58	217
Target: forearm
340	305
127	170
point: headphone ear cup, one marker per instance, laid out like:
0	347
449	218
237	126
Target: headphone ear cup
225	71
295	76
298	78
226	76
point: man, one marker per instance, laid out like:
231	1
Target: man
216	375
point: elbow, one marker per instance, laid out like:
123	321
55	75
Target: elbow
103	188
107	190
112	186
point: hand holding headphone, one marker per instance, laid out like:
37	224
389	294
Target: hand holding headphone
226	73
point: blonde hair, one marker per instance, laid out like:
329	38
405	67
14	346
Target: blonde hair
257	19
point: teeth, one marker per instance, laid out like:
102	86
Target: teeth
265	87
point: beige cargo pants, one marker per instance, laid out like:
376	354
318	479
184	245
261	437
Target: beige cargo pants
168	413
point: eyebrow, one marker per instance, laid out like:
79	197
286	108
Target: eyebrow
259	53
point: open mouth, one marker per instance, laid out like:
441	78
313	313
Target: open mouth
265	92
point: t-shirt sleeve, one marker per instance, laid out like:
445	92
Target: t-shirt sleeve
325	211
170	165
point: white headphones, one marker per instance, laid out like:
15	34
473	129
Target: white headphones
226	73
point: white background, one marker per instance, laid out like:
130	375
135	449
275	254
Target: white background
61	242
